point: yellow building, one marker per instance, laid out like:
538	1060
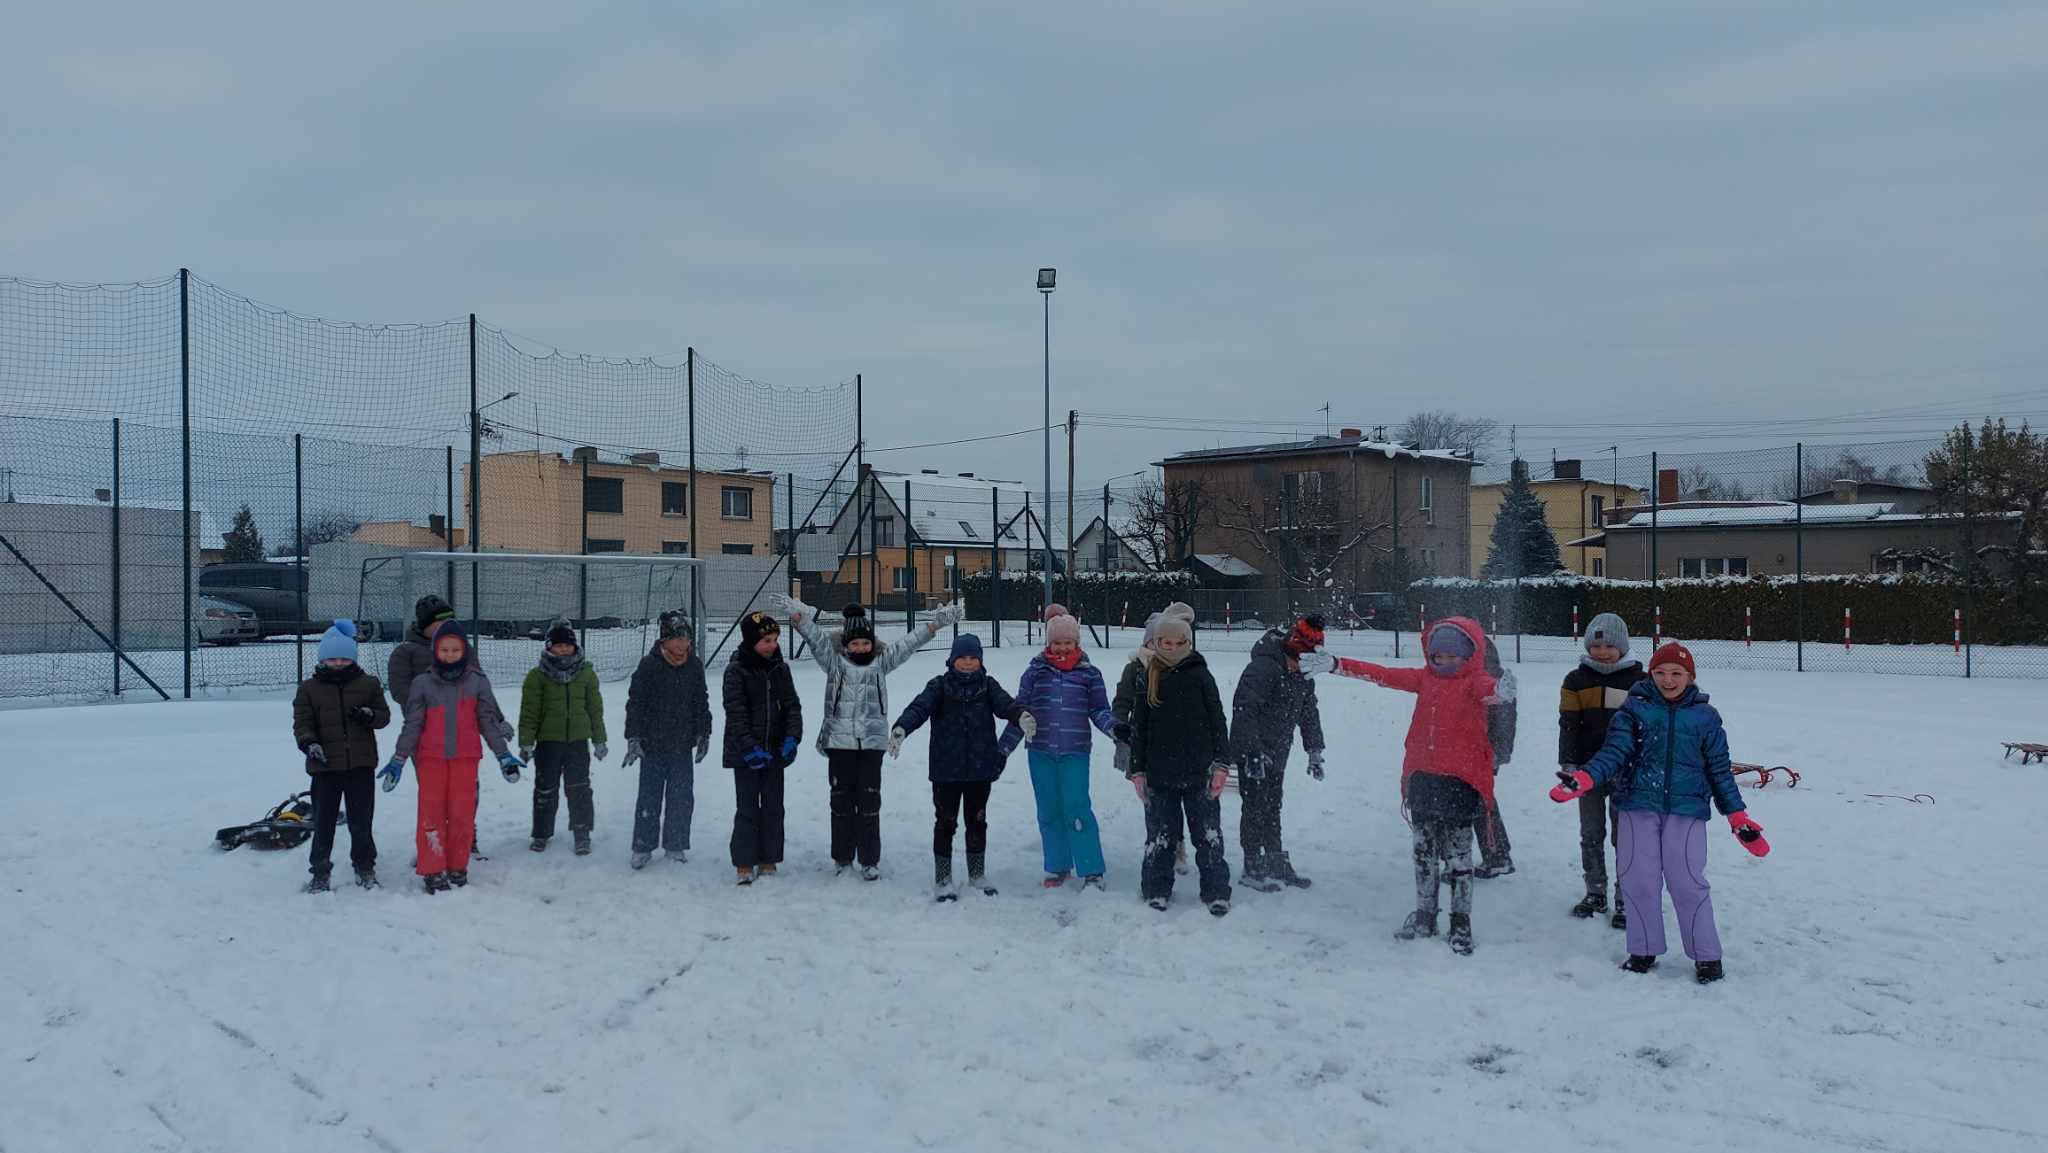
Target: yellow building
536	502
1573	507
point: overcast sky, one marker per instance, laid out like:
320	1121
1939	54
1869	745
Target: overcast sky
1550	213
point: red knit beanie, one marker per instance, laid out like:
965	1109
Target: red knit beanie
1673	653
1307	636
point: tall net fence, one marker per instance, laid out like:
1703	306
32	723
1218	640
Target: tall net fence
197	484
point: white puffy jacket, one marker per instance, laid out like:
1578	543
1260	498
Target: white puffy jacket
856	712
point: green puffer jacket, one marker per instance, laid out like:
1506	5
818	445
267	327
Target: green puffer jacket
554	710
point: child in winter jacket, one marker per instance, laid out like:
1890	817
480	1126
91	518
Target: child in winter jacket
413	655
668	732
1593	692
450	714
1501	717
963	705
764	725
853	731
1273	699
335	718
561	714
1666	758
1447	772
1180	749
1128	686
1065	695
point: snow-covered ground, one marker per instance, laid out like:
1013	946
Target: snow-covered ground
1888	984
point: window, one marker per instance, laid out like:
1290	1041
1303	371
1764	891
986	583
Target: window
969	530
1599	567
1428	502
736	503
1598	505
730	549
675	498
1738	566
603	544
902	579
1694	566
675	548
885	531
604	494
1429	561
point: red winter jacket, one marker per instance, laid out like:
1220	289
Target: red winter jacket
1447	735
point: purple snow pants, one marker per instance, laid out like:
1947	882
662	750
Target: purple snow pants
1655	852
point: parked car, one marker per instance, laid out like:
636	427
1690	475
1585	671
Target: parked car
223	622
1375	610
270	588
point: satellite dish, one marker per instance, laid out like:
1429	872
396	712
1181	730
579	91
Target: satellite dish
1391	452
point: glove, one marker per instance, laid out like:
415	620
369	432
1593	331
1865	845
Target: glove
1572	785
756	758
364	714
1123	758
510	766
1749	833
526	753
790	607
1315	763
390	773
1254	767
1317	662
947	615
1028	725
600	750
315	753
1219	776
703	748
1122	732
895	743
632	753
788	750
1138	783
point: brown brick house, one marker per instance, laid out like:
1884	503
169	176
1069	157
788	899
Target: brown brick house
535	502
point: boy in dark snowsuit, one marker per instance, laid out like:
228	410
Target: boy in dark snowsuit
561	725
668	732
1447	771
764	724
1501	717
1180	761
1593	692
1273	699
335	718
1666	757
963	705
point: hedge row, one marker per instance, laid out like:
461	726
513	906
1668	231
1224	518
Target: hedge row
1146	592
1883	609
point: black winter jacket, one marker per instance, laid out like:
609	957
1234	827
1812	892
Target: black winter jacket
1270	703
1174	742
761	707
667	707
323	713
963	711
1586	708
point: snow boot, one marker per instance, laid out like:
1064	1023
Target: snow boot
1461	934
977	874
1093	881
942	879
765	870
1707	972
1053	880
1590	905
366	878
679	856
583	843
1219	908
1637	963
1619	920
475	855
538	844
1418	924
870	873
841	868
317	884
639	860
1288	876
746	876
1490	869
459	878
1159	903
435	882
1260	882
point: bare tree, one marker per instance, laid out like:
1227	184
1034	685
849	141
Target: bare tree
1473	434
1306	528
1699	480
1164	518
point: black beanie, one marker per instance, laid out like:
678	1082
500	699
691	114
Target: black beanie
428	609
561	633
756	625
676	623
857	627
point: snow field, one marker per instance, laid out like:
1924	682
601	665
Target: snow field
1887	985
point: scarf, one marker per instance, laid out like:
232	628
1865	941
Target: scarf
1066	661
561	670
1605	668
337	676
1160	661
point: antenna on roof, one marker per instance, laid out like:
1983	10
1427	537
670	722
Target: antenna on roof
1326	418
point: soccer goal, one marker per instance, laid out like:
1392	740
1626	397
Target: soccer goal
613	600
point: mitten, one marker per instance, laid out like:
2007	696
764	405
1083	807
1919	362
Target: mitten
1028	725
1219	776
756	757
1138	784
1317	662
703	748
315	753
790	607
895	743
600	750
1122	732
1123	758
1749	833
526	752
947	615
1254	767
510	766
632	756
789	748
391	771
1315	763
364	714
1572	786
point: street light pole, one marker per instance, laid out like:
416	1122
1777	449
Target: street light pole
1047	279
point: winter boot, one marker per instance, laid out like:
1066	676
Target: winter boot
942	879
765	870
538	844
1420	923
977	877
317	883
1707	972
678	856
1288	876
1637	963
1461	934
459	878
870	873
1219	908
1053	880
583	843
366	878
639	860
746	876
435	882
1495	868
841	868
1093	881
1620	918
1159	903
1260	881
1590	905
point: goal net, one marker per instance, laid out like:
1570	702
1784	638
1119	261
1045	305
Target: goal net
613	600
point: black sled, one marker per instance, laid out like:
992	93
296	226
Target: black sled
287	825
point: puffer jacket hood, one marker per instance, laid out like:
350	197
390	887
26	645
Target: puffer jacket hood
1667	756
1447	734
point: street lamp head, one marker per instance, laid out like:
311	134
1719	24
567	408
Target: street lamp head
1046	278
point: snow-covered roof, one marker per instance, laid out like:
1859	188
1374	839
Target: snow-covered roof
1388	449
1776	513
958	511
1223	564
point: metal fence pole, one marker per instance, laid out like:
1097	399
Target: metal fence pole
447	533
791	520
1045	594
476	499
1656	501
1799	557
185	453
114	583
1105	561
696	626
299	546
583	571
995	564
909	562
1969	570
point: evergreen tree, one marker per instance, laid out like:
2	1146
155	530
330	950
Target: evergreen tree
243	542
1522	544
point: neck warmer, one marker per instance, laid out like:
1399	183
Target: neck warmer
561	670
1064	662
1606	667
862	659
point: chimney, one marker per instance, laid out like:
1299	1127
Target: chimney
929	471
584	454
438	525
1667	486
1350	433
103	495
1845	491
967	476
1564	470
646	459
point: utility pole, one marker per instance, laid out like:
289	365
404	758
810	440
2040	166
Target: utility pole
1073	420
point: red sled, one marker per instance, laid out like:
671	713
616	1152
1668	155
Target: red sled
2028	751
1764	774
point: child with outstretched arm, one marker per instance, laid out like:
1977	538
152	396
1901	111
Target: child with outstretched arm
1666	759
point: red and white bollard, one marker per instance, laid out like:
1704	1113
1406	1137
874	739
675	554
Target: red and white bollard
1493	620
1845	628
1657	633
1748	634
1126	622
1959	630
1226	616
1421	618
1575	622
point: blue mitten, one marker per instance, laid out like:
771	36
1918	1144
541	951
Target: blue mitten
510	766
391	771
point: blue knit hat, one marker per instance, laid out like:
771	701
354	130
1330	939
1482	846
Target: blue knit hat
964	645
339	641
